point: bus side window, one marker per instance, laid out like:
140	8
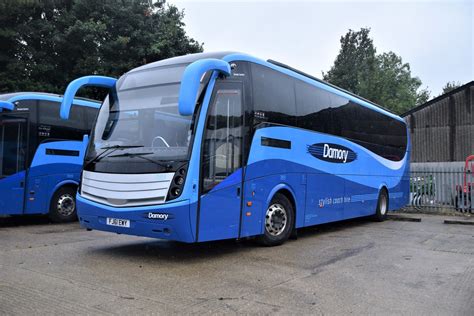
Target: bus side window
314	108
329	113
273	96
90	115
12	146
61	129
222	150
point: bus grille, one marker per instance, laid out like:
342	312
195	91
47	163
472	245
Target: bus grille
123	190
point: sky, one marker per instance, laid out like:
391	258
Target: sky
435	37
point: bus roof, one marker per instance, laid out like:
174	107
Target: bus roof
236	56
185	59
17	96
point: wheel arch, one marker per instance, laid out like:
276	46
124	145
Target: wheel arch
383	186
62	184
288	192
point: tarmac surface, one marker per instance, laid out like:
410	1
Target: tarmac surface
356	266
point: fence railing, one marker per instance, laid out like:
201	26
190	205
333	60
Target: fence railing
451	188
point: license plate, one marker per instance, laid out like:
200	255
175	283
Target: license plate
118	222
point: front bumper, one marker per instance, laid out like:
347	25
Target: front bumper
176	226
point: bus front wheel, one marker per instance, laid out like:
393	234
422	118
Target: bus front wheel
63	206
279	221
382	206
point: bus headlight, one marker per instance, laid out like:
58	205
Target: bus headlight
176	192
179	180
176	187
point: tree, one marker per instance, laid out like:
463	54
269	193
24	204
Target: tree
49	43
355	63
382	78
393	86
450	86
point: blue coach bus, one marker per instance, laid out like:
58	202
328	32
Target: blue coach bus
224	145
41	156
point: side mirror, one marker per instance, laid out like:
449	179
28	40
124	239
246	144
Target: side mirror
5	105
75	85
191	81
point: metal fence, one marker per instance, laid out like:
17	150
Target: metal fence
442	187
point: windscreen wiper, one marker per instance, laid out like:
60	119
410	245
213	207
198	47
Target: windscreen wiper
166	165
110	149
131	155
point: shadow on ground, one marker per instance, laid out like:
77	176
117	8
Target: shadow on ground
23	220
171	251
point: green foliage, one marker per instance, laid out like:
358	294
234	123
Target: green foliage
46	44
450	86
382	78
355	63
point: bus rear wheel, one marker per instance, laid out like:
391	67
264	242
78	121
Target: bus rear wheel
63	206
279	221
382	206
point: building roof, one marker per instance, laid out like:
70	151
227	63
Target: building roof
443	96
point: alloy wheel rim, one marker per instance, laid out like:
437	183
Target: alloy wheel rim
276	219
66	205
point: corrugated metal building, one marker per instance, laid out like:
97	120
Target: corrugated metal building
442	129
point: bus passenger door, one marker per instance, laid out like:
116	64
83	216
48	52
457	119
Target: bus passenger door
221	165
12	164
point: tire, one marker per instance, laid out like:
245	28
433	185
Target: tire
63	206
279	221
382	206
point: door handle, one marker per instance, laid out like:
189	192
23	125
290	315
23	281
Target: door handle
238	191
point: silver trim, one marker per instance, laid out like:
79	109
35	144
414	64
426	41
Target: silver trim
123	190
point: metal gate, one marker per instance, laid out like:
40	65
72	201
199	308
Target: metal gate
443	188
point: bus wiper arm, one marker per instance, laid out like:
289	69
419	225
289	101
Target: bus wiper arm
110	149
167	166
122	147
131	155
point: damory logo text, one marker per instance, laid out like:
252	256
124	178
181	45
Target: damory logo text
332	152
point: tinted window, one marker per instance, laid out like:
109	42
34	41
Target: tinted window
25	105
273	96
12	145
30	108
49	115
51	126
373	130
314	108
325	112
222	152
90	115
